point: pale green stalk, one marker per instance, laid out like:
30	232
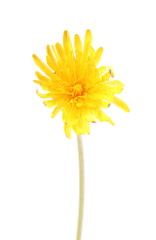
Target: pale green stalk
81	187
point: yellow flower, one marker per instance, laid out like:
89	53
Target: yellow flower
76	86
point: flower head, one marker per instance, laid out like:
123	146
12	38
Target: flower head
75	85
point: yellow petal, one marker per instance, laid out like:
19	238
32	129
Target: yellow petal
115	86
98	55
57	56
50	53
121	104
77	44
106	69
87	127
104	104
42	66
52	58
82	127
91	53
60	51
70	114
51	63
76	129
101	116
79	127
50	103
44	95
36	81
107	75
44	82
44	86
91	118
56	111
67	130
87	40
67	42
42	77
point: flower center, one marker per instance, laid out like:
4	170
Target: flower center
77	90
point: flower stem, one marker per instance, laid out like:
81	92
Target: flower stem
81	186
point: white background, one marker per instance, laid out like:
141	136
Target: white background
39	165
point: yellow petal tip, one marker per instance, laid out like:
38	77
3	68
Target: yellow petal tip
111	122
67	130
127	109
36	81
34	56
52	115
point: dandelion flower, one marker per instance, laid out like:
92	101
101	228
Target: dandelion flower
76	85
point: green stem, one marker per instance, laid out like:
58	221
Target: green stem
81	186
